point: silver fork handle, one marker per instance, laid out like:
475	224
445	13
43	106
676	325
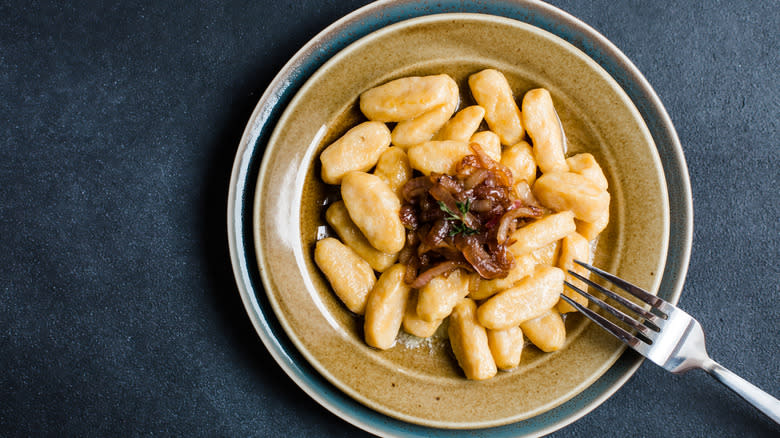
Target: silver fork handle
762	401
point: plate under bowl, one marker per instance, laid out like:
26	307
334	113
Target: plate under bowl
329	338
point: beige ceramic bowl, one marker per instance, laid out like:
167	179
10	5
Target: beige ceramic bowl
420	382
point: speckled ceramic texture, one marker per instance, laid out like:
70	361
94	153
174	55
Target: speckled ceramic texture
423	384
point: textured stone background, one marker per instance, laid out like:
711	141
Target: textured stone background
118	309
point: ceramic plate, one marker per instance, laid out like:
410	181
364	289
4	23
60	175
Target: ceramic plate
420	385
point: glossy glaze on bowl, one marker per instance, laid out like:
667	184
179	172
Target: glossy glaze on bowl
423	385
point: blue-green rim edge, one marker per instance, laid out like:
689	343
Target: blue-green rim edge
329	42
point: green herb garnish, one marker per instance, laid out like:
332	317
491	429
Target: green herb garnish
459	223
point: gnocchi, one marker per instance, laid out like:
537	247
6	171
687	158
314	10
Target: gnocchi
573	247
437	298
374	208
393	167
541	122
520	159
496	298
506	346
530	298
586	165
493	93
358	149
385	308
350	276
568	191
438	156
462	125
489	142
405	98
414	325
542	232
469	342
547	331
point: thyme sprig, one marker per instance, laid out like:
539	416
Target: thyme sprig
458	221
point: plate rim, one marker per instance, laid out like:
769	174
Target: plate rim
237	195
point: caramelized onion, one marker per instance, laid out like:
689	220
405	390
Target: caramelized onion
415	187
441	194
475	178
409	249
479	259
411	270
482	205
408	217
488	163
463	220
438	232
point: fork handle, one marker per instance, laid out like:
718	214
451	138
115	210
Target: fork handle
760	400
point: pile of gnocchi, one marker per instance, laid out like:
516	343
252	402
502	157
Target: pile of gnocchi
414	127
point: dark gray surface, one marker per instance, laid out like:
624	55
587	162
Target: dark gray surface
118	311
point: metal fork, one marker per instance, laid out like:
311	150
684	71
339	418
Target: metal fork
667	336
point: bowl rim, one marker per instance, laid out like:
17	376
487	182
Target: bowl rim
240	196
262	243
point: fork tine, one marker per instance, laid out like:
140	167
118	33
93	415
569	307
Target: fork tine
641	328
650	319
626	286
620	333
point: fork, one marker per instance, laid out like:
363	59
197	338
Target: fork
668	336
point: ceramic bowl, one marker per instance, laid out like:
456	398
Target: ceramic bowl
420	386
416	381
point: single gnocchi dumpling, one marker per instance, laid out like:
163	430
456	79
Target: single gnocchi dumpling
393	167
568	191
493	93
358	149
519	158
541	122
586	165
375	210
438	156
405	98
574	247
437	298
350	276
385	308
416	326
530	298
462	125
469	341
547	332
542	232
506	347
489	142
